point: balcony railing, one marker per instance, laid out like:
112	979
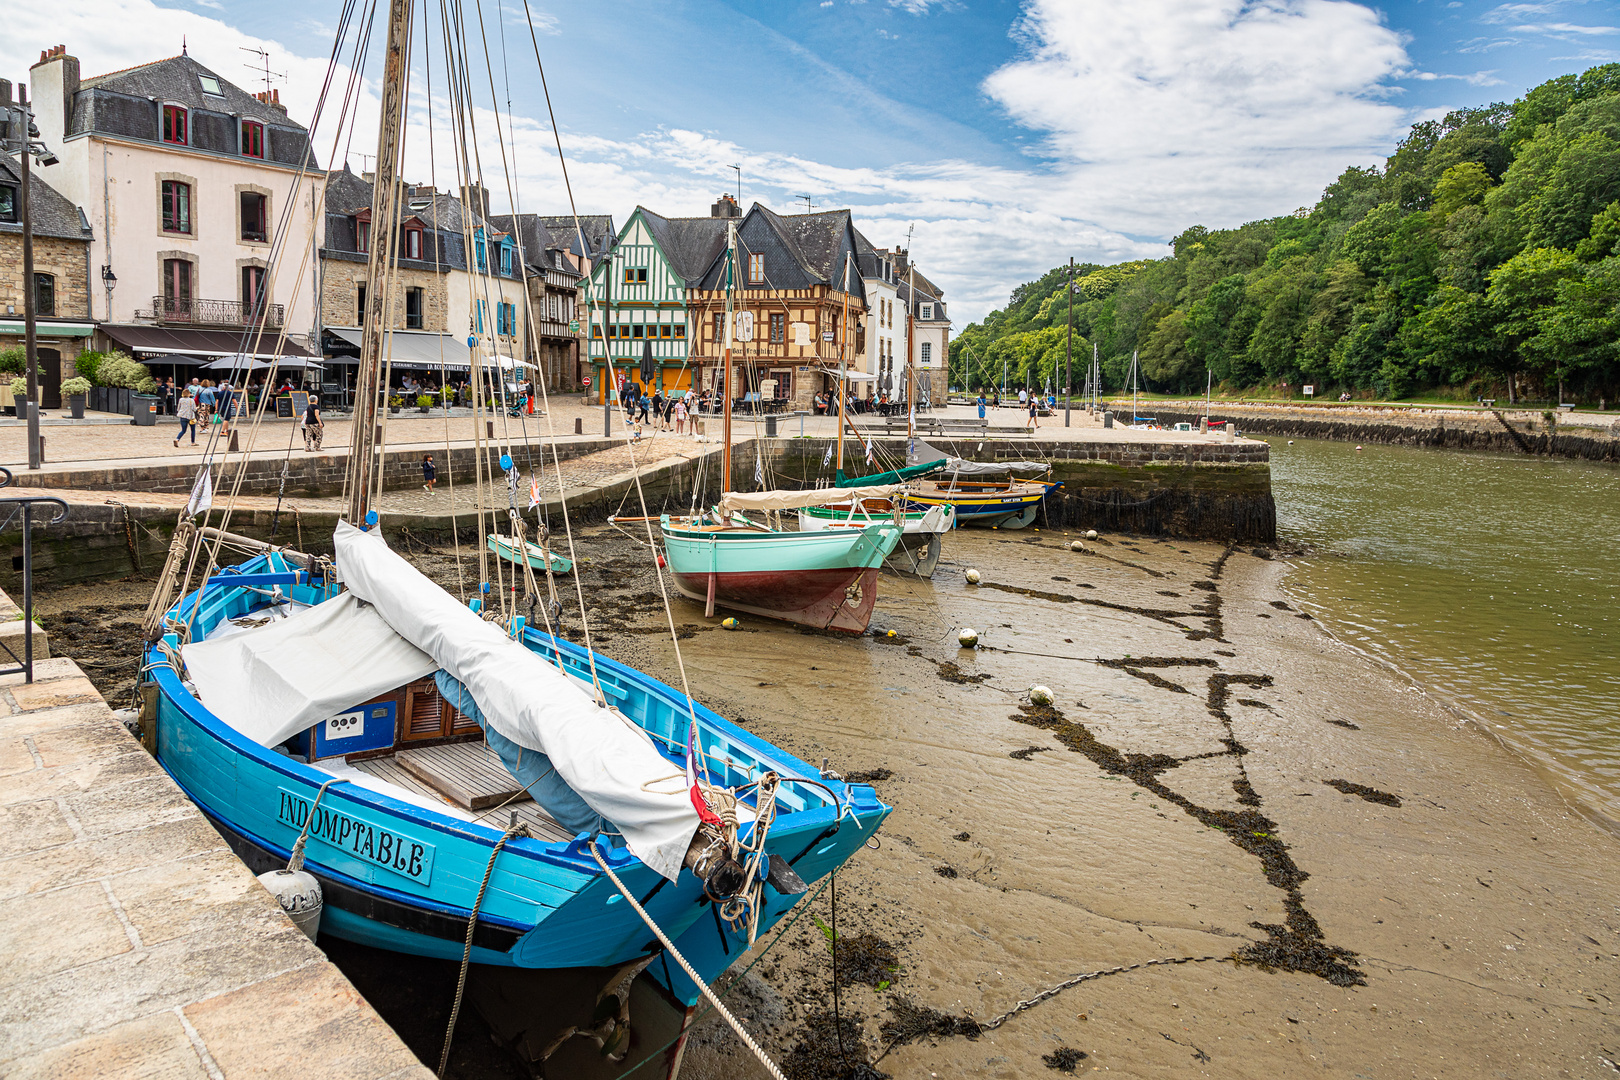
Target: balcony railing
169	309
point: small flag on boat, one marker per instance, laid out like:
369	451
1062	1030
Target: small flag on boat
869	456
826	459
202	494
693	757
759	466
534	492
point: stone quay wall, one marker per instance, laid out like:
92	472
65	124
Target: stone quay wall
1514	431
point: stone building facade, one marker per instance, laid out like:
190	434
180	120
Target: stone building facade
62	240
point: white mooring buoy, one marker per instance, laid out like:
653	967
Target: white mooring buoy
1076	546
969	637
299	895
1040	695
1091	534
972	577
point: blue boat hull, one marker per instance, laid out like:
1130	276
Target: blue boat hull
397	876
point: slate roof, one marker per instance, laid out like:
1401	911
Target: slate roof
52	213
924	296
546	234
800	250
121	103
691	244
444	245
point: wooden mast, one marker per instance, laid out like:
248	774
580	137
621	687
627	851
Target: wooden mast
843	367
384	238
725	376
911	352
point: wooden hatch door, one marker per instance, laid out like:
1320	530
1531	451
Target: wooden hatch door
427	715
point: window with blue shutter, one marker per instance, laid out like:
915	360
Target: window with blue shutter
479	309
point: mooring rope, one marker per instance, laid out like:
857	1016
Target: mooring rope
517	829
296	860
719	1006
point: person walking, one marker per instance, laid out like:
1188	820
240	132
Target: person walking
430	475
980	403
680	416
226	399
313	428
643	404
186	410
1034	411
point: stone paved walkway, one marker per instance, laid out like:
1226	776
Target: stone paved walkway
136	942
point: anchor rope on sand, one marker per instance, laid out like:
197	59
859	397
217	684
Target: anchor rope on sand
517	829
719	1006
1054	991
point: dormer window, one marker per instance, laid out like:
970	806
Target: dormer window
478	248
925	312
252	139
210	85
174	125
506	258
411	242
362	236
756	269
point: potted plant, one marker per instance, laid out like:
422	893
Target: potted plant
395	403
74	390
423	403
19	393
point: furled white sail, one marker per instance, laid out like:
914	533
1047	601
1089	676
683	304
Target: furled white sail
793	500
272	682
607	759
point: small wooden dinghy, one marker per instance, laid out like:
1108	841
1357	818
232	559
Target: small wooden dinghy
533	553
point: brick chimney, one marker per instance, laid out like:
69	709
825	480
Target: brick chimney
476	198
272	98
726	206
52	83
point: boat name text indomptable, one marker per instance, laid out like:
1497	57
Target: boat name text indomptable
401	854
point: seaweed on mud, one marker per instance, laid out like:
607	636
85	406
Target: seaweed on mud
1224	652
1245	792
1281	606
1345	724
866	959
1252	703
1206	586
1064	1059
946	871
1122	562
1299	945
1155	680
830	1048
868	776
1260	553
1210	610
952	672
962	836
1287	949
1372	795
1026	752
1304	615
1167	592
909	1022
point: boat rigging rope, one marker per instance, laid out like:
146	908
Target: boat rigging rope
517	829
719	1006
296	860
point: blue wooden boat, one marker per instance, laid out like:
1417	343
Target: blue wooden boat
400	864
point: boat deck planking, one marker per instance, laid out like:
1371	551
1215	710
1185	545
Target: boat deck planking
525	809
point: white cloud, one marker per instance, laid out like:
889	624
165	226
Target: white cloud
1167	112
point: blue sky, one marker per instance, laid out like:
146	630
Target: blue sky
1009	134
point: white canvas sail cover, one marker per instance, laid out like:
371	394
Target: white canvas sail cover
794	500
272	682
608	760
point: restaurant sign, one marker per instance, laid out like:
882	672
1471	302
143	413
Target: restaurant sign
389	850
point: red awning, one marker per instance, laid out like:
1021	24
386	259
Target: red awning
188	342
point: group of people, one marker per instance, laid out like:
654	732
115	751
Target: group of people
663	412
199	403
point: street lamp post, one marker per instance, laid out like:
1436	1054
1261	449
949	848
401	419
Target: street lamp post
26	137
1068	353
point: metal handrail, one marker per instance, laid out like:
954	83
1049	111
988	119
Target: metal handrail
213	312
26	505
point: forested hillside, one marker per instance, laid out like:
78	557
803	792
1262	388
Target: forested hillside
1487	249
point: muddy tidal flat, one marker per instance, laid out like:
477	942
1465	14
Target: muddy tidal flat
1360	882
1300	864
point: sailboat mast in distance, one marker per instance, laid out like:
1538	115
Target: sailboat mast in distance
725	370
843	367
384	200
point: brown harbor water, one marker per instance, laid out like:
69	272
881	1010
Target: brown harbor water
1492	580
1277	857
